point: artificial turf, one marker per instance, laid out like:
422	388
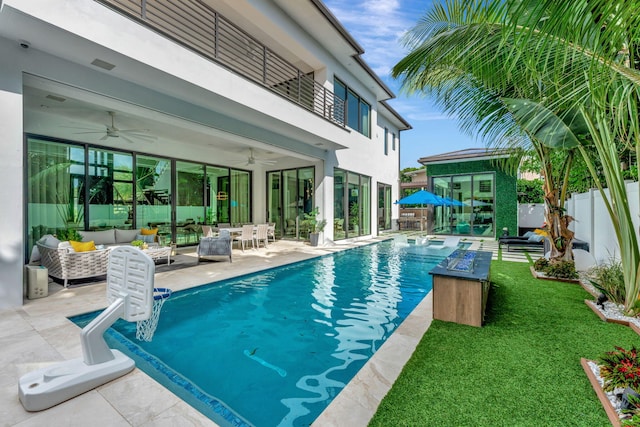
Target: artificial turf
522	368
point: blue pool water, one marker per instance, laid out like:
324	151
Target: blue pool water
274	348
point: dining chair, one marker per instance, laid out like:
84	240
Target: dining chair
271	231
261	235
207	231
245	236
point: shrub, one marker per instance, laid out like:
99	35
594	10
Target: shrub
562	270
620	369
609	280
540	264
68	234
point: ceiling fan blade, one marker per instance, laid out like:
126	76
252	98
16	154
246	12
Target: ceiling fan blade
126	138
149	138
142	131
87	133
104	137
82	128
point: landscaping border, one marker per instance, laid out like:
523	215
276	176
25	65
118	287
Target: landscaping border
542	276
614	418
592	305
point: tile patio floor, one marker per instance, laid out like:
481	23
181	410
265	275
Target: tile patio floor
39	333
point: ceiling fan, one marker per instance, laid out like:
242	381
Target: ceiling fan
112	131
252	160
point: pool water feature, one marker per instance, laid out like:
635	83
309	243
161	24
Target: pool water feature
275	347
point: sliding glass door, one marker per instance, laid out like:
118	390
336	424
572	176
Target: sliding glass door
353	203
110	175
384	207
474	212
55	188
190	209
154	194
93	188
290	194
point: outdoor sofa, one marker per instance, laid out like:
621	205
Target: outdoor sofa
66	264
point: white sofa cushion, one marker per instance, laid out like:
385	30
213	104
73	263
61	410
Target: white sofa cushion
104	237
126	236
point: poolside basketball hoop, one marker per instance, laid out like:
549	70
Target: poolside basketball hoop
146	328
130	294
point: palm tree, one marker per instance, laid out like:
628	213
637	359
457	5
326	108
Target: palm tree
538	75
438	65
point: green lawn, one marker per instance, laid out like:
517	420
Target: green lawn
521	369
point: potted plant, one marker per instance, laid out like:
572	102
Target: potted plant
314	225
68	234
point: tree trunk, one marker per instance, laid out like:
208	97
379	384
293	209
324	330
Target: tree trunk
558	233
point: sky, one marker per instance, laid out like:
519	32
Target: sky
378	26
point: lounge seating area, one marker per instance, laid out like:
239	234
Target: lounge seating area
408	221
529	240
534	241
69	260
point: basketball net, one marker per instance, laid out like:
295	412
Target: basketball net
146	328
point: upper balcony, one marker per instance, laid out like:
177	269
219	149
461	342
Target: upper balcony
201	29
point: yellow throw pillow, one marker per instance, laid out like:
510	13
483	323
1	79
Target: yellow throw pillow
148	231
83	246
540	232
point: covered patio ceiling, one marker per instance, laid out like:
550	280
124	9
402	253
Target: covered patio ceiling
61	111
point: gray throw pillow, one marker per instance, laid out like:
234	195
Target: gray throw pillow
535	238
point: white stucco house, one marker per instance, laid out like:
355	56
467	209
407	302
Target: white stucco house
129	114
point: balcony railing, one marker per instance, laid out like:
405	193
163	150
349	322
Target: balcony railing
201	29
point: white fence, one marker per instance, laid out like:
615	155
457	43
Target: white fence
593	223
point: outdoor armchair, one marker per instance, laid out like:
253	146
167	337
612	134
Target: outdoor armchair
215	246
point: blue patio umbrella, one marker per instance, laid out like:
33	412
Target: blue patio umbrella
422	198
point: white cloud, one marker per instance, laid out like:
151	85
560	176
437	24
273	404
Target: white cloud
377	25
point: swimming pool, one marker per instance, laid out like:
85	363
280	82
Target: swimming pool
274	348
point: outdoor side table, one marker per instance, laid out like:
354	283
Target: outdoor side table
460	294
159	252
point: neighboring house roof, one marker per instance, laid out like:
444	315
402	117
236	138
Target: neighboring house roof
466	155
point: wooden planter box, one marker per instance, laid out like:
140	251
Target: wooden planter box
604	400
460	296
542	276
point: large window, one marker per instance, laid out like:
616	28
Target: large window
357	110
352	204
55	188
110	189
89	188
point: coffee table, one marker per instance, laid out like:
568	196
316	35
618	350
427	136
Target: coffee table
159	252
